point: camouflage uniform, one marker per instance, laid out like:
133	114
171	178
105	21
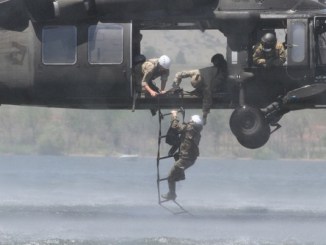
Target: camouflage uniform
206	81
189	151
276	57
147	72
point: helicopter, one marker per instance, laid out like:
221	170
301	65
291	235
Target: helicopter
79	54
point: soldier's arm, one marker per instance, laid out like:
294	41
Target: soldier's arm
175	122
184	74
147	70
164	79
258	58
207	100
148	74
282	56
279	58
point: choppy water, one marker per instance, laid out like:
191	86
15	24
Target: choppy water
90	200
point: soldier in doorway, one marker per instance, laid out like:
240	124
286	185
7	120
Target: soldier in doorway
268	52
206	81
146	72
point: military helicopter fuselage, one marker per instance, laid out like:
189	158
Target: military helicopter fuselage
79	54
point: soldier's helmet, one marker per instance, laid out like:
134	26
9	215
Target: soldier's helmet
268	41
164	61
196	119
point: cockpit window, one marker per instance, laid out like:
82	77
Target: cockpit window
59	45
105	44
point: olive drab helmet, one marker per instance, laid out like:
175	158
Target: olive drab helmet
196	119
164	61
268	41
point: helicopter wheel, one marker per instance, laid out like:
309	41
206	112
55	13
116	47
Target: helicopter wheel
250	127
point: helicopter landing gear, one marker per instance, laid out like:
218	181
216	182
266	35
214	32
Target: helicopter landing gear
250	127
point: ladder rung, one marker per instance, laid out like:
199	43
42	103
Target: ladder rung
166	200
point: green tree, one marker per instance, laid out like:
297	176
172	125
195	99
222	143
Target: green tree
51	141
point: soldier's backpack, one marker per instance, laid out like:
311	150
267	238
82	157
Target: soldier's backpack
173	138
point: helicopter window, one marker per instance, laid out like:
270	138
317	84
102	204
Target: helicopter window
321	47
105	44
59	45
298	50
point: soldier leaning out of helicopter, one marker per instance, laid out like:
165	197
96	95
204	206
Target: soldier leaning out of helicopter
206	81
268	52
146	71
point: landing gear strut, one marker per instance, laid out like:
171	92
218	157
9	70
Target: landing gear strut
247	123
252	126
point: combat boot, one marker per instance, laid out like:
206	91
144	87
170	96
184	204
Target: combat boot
169	196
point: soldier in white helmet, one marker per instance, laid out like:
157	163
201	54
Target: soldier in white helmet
147	72
189	151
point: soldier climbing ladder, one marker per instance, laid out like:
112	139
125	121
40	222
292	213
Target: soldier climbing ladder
159	158
175	147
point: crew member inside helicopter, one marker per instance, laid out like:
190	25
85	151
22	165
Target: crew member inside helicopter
269	52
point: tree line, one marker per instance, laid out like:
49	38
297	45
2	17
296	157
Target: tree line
33	130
